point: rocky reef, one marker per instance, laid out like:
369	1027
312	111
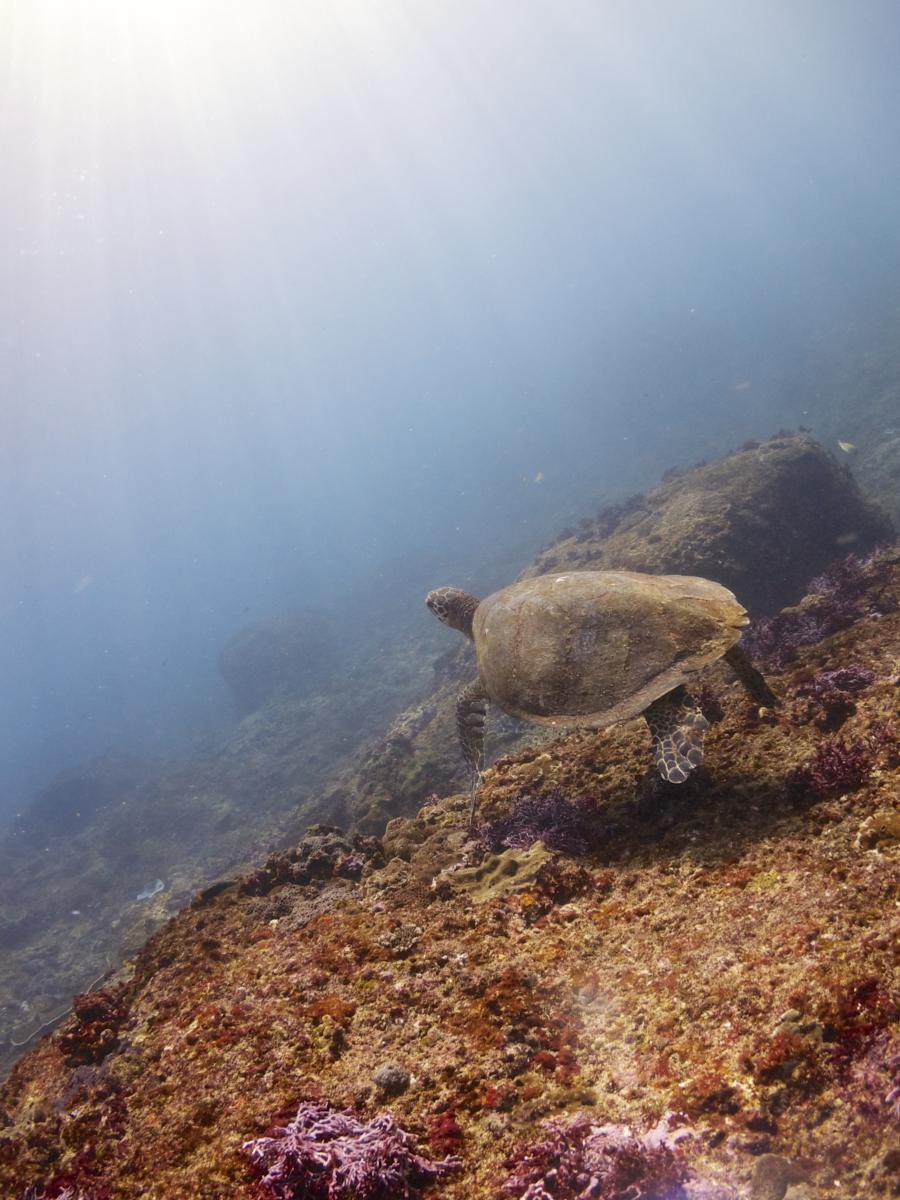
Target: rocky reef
80	868
617	989
79	871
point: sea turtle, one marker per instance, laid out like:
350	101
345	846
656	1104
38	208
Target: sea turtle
597	647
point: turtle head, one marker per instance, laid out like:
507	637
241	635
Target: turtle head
454	607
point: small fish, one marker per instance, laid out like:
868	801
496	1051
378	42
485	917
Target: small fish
847	447
539	478
743	385
83	584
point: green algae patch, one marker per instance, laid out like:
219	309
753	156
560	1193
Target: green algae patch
763	881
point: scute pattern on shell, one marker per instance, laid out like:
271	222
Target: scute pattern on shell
596	647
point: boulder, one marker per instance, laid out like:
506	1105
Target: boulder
763	521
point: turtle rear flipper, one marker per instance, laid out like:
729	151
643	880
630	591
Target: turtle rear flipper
677	727
753	680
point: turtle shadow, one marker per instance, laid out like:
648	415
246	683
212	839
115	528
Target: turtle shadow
709	817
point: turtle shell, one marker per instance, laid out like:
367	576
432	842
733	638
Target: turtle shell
596	647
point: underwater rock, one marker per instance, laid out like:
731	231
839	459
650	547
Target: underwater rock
391	1079
762	521
286	655
419	754
76	858
773	1175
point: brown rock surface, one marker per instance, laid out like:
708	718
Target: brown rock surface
727	950
762	521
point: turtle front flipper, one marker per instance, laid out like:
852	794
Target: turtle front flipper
752	679
471	718
677	727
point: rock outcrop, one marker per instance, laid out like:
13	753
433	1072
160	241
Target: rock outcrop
762	521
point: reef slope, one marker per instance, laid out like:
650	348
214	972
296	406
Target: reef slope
726	951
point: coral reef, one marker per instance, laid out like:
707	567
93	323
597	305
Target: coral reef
65	1193
843	679
725	951
68	887
763	521
839	765
557	820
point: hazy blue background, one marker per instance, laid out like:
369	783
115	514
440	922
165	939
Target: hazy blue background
290	292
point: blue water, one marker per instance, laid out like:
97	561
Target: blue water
297	299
